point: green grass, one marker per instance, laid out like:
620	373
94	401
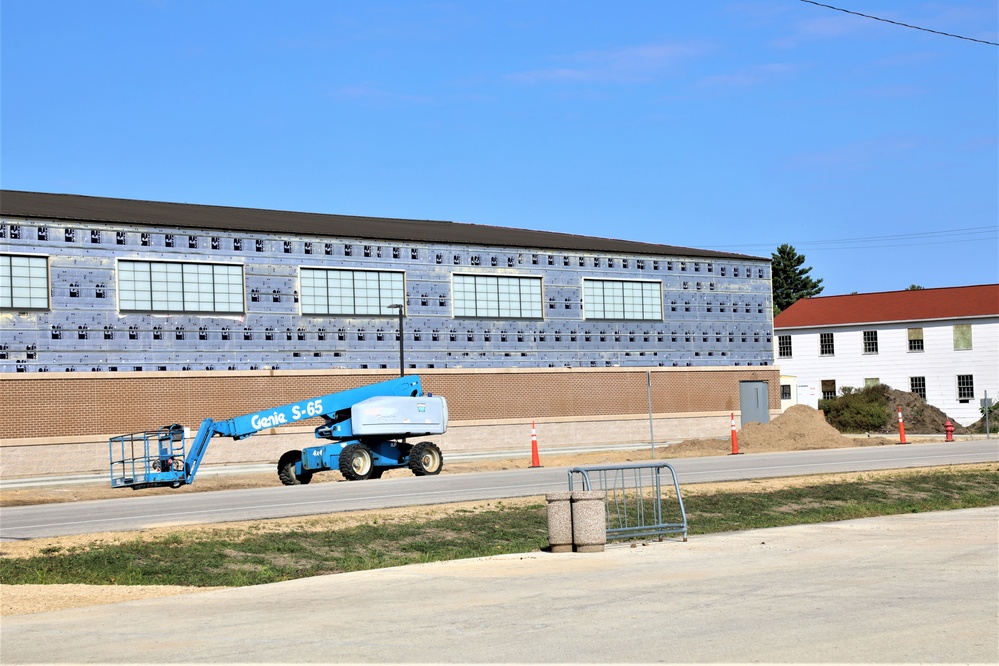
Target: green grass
237	558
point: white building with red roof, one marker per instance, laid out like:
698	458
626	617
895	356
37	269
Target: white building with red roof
942	344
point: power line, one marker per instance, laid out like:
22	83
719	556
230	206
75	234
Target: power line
969	234
904	25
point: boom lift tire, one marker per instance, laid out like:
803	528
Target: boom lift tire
286	469
425	459
355	462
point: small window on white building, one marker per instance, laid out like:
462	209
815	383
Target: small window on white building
870	342
915	340
917	385
785	391
871	381
784	346
965	387
828	389
962	337
826	345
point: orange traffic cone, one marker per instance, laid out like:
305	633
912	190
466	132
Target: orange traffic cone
535	461
901	427
735	439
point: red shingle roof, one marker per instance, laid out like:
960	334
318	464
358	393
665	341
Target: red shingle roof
909	305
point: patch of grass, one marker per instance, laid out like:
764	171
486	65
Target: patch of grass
237	558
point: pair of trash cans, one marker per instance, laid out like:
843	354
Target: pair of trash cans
577	521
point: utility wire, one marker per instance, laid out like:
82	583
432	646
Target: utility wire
904	25
930	237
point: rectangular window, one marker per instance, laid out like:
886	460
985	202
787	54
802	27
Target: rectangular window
784	346
915	340
870	342
498	297
828	389
622	299
965	387
871	381
24	282
962	337
826	346
917	385
785	391
347	292
160	286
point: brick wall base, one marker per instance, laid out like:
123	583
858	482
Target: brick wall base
55	425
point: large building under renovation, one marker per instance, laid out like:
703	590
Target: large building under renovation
90	284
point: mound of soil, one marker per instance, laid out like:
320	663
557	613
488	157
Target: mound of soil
919	416
799	428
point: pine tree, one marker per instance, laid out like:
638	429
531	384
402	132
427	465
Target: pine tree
790	280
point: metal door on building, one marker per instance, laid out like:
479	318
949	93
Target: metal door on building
754	402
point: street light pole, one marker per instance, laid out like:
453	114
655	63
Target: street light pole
402	354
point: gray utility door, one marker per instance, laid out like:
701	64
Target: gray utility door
754	402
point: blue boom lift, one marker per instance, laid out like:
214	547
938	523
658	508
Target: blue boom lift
366	427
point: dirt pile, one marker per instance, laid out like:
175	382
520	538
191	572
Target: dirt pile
920	417
799	428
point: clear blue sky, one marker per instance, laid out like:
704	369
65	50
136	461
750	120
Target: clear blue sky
737	126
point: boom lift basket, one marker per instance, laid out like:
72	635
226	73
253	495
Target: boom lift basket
147	459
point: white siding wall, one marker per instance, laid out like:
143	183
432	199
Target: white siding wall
893	365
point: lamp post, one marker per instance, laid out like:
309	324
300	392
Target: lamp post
402	357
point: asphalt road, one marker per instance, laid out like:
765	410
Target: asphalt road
138	512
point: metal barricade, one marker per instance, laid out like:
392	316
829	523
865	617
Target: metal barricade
634	498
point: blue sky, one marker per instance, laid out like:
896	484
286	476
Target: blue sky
870	147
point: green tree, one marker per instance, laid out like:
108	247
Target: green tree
913	287
790	279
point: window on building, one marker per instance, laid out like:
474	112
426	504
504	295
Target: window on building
915	339
24	282
496	296
870	342
351	292
917	385
826	346
965	388
784	346
962	337
828	389
871	381
785	391
160	286
622	299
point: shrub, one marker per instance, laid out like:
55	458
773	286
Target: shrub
863	410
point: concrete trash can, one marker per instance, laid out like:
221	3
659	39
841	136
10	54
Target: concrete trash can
589	521
559	522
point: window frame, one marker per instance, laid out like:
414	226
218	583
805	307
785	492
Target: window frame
487	292
370	292
958	336
917	385
827	395
784	351
915	344
827	347
623	306
167	276
870	341
8	279
965	388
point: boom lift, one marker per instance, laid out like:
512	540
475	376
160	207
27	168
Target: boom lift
367	428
